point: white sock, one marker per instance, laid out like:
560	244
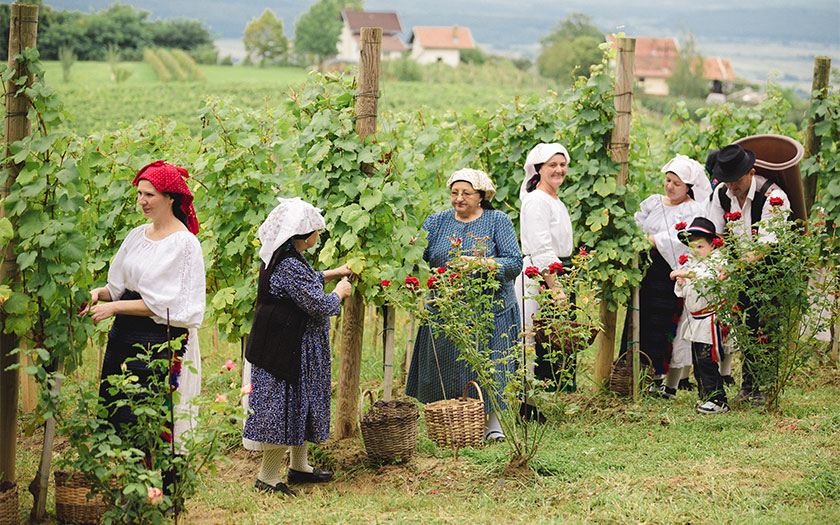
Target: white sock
299	460
672	378
686	372
272	461
725	366
493	424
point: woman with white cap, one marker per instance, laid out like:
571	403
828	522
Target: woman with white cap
288	351
662	217
546	231
471	220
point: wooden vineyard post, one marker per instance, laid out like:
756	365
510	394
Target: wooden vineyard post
388	351
409	349
23	32
620	148
819	84
352	323
633	318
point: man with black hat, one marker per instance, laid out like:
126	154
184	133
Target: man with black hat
743	200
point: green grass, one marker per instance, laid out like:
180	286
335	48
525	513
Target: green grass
97	103
610	461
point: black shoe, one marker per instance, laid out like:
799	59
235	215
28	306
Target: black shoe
316	476
530	413
727	380
668	393
279	487
685	384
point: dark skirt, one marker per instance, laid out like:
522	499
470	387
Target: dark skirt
127	332
659	314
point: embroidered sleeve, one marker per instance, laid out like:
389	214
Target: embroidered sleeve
508	256
305	287
175	281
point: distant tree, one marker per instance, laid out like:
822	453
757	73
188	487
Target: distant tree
686	78
523	64
317	30
265	40
180	33
473	56
570	49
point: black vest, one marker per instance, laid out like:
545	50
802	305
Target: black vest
276	335
756	207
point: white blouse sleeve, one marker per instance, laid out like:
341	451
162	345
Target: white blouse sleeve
645	209
176	281
116	274
536	232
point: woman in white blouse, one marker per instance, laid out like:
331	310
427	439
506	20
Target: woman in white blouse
156	277
546	232
662	217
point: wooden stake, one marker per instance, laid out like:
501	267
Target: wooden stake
388	354
634	335
409	349
23	32
819	84
620	149
367	102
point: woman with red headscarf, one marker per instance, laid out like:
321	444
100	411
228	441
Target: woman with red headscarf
156	279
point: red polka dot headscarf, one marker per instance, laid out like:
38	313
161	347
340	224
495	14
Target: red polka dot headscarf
169	178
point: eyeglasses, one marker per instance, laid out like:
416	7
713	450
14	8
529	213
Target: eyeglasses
464	194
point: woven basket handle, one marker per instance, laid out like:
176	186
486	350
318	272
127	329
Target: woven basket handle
474	384
369	393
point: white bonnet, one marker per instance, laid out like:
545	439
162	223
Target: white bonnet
479	180
289	218
539	155
690	172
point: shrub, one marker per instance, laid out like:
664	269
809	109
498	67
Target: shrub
172	64
151	58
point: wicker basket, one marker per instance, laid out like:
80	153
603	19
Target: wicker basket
9	513
389	429
456	423
621	373
71	499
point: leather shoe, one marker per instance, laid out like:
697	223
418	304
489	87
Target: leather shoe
316	476
279	487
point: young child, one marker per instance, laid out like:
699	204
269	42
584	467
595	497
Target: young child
700	326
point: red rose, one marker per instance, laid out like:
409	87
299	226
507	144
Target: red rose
680	226
441	270
412	283
456	241
432	282
385	283
582	251
683	259
454	277
732	216
555	268
532	271
776	201
736	308
717	242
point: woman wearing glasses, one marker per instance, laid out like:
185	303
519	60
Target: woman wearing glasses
474	225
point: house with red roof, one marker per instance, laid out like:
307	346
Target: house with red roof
655	60
348	41
439	44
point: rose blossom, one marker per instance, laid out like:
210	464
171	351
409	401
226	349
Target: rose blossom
412	283
230	365
683	259
776	201
432	282
532	271
717	242
247	389
680	226
154	496
385	283
555	268
441	270
221	398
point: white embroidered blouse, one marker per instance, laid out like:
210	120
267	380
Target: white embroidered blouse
660	221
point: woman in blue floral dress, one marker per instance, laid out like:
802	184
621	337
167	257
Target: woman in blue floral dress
288	351
472	220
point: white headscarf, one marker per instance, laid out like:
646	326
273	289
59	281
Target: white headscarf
291	217
479	180
690	172
539	155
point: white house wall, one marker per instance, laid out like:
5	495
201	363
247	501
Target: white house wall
348	49
430	56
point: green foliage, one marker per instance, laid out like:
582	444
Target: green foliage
825	164
115	462
360	207
403	68
121	25
317	30
265	40
789	284
686	79
473	56
570	49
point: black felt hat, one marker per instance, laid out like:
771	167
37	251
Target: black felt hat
699	226
732	163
